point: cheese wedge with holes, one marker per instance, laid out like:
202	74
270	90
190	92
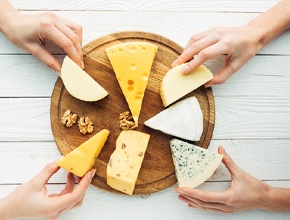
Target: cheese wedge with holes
80	84
175	84
193	165
81	160
125	162
183	119
132	62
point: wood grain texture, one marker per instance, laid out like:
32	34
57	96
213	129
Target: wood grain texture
157	170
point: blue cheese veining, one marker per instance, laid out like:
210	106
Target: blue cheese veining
193	164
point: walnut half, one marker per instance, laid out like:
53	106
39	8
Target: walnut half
85	125
68	119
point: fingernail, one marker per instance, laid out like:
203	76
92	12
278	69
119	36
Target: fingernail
82	64
185	69
57	72
89	176
174	63
206	86
180	191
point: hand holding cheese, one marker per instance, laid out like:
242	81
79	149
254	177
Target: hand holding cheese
246	192
175	84
79	84
132	62
82	159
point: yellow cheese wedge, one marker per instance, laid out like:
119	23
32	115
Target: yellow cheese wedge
132	62
175	84
125	162
80	84
81	160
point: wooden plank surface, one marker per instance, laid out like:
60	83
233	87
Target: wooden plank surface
151	5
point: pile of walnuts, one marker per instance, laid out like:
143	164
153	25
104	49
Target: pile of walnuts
85	124
126	121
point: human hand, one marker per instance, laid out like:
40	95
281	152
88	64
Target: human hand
32	199
30	32
239	44
246	192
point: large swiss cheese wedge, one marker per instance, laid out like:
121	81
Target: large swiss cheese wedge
81	160
125	162
175	84
183	119
80	84
193	164
132	62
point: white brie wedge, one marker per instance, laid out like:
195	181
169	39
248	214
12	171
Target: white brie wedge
183	119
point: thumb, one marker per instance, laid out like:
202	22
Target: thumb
47	172
228	162
45	56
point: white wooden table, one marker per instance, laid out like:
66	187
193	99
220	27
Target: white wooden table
252	107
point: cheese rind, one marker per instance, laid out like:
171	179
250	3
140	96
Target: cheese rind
193	164
125	162
183	119
175	84
132	62
79	84
81	160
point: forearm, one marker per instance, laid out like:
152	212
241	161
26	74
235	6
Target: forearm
6	13
6	211
272	22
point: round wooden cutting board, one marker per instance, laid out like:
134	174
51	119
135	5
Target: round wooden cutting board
157	171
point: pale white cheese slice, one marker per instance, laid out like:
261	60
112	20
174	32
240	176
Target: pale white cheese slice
175	84
193	165
80	84
183	119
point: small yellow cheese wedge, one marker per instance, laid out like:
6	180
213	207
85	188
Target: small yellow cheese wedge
125	162
80	84
175	84
132	62
81	160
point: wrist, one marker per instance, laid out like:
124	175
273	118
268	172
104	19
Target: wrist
7	15
271	23
5	210
277	199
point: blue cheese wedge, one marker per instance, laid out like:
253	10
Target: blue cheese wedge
183	119
193	164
